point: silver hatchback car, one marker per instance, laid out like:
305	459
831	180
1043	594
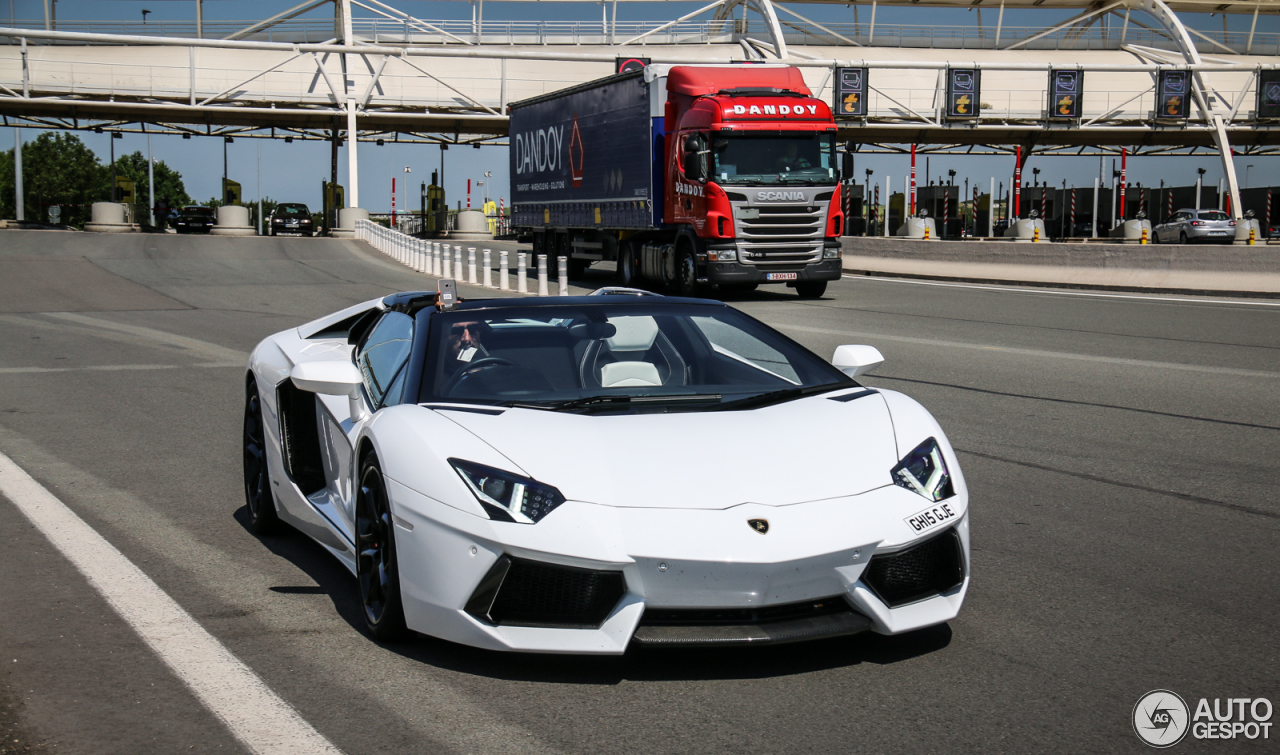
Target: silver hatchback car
1196	225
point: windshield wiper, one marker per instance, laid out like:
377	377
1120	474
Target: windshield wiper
778	396
646	398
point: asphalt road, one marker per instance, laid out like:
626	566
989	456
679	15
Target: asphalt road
1121	454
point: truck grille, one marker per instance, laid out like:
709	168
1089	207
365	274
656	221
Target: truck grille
783	234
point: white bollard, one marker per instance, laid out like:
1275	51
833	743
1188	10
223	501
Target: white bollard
563	284
504	278
422	256
471	265
542	276
522	275
448	262
457	261
436	268
488	268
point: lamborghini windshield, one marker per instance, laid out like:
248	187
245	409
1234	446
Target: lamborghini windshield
790	157
624	356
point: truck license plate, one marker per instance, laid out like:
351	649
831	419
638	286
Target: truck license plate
780	276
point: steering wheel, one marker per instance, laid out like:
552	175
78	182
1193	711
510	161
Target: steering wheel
475	366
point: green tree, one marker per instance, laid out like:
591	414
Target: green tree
57	169
168	181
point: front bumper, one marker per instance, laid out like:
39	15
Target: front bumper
674	560
736	272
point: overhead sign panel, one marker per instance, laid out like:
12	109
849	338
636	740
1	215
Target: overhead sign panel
964	94
1268	94
1173	92
851	92
1066	87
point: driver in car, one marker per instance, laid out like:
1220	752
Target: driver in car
464	345
791	158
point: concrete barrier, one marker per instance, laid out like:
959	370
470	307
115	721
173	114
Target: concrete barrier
1130	232
915	228
1027	230
232	220
1242	232
347	218
1198	268
109	217
471	225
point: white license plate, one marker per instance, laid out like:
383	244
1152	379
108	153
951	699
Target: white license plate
780	276
1217	233
928	519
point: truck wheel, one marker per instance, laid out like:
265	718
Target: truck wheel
577	268
811	289
626	264
686	278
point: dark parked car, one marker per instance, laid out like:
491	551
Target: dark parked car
290	218
194	220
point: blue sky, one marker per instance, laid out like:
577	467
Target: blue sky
293	172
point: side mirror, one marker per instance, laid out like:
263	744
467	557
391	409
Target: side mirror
330	378
691	144
857	360
846	165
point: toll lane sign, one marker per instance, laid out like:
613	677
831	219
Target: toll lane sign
1269	94
1065	89
964	94
1173	93
851	92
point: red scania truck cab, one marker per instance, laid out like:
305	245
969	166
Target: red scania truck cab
687	176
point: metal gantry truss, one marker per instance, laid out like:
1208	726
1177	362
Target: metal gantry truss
453	90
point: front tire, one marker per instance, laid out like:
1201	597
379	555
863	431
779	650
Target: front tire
258	497
377	569
686	274
626	264
811	289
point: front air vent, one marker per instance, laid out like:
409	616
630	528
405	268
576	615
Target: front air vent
520	592
921	571
738	616
300	437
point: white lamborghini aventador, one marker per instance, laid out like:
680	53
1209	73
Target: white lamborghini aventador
577	474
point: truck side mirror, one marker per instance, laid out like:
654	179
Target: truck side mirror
846	165
691	144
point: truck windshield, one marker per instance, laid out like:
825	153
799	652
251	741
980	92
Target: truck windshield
671	357
788	158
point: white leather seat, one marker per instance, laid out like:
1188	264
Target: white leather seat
628	374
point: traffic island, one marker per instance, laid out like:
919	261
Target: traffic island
1174	268
109	217
233	220
347	218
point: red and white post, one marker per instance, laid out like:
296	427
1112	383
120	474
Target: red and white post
913	180
393	202
1124	167
1017	187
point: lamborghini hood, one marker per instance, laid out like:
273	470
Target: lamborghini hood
803	450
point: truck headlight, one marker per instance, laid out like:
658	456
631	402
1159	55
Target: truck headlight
723	255
831	253
508	497
924	471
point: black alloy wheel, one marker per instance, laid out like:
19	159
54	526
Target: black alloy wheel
376	567
686	280
258	497
811	289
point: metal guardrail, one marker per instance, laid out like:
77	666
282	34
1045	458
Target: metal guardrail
316	30
444	259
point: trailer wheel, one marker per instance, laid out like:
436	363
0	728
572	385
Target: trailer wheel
626	275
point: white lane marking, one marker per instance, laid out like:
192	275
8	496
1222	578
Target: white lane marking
112	368
211	351
1050	292
1035	352
256	716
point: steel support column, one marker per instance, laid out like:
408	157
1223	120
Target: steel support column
1172	24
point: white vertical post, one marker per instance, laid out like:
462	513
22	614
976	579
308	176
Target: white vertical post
19	201
1198	192
563	284
437	267
542	276
504	279
1220	182
522	274
1096	189
471	265
991	210
457	260
488	269
353	165
888	202
448	267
